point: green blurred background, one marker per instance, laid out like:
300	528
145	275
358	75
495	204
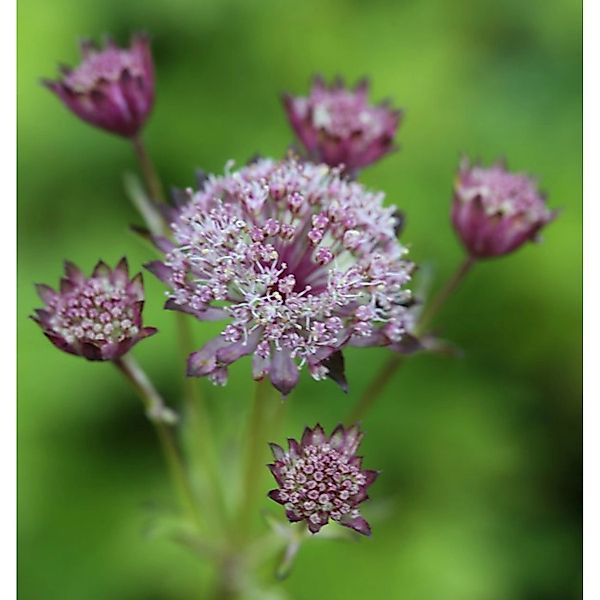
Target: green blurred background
481	486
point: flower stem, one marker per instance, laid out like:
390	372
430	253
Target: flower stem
157	411
432	310
374	390
151	177
196	409
256	444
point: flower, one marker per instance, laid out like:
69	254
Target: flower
99	317
300	262
321	478
338	126
112	88
496	211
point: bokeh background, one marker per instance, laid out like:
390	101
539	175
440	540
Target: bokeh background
481	486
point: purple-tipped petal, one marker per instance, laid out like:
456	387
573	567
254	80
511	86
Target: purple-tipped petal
204	361
283	372
46	293
278	451
358	524
160	270
276	495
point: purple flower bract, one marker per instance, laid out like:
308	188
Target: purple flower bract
97	317
321	478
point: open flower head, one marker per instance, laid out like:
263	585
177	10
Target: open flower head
97	317
338	126
495	211
112	88
300	263
321	478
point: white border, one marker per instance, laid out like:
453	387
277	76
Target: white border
8	305
591	289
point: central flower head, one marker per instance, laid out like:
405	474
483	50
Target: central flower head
300	261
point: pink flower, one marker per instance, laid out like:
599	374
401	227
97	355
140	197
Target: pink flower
321	478
338	126
495	211
112	88
298	260
97	317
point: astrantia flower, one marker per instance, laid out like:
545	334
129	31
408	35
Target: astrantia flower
321	478
97	317
337	125
496	211
300	262
112	88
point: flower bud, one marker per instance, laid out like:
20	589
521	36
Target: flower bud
495	211
112	88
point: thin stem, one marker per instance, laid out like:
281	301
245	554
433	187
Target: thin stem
203	437
436	304
256	444
156	411
195	407
375	388
153	182
389	369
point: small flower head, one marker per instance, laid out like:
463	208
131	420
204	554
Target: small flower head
300	263
97	317
495	211
338	126
112	88
321	478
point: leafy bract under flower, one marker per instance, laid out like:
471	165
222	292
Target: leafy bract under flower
338	126
97	317
321	478
300	261
496	211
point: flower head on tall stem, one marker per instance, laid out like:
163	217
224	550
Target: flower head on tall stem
112	88
496	211
97	317
338	126
300	261
321	478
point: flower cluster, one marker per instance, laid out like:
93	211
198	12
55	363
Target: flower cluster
338	126
112	88
300	261
496	211
97	317
321	478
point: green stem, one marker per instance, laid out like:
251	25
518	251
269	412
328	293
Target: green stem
378	384
442	296
256	444
153	182
161	418
375	388
195	407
